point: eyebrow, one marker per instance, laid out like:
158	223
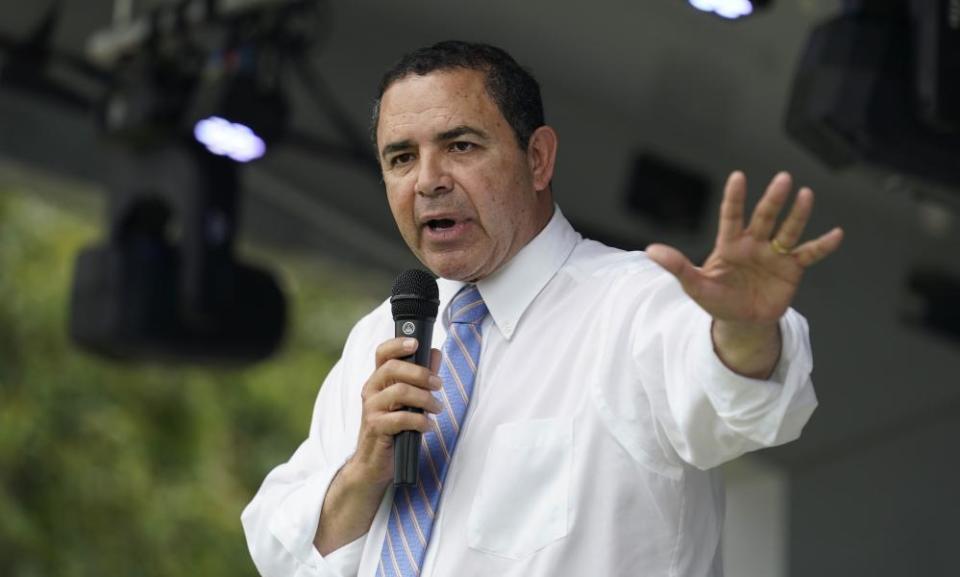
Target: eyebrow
451	134
459	131
396	147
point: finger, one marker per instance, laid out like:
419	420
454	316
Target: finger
731	208
676	264
813	251
394	422
400	396
398	371
765	214
792	228
436	357
395	349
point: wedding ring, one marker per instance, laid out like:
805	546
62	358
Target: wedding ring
779	248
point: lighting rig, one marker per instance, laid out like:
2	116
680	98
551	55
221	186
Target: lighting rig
184	95
879	84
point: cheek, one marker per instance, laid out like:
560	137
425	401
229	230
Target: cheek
402	210
401	205
513	204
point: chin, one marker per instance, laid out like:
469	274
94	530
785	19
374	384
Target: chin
451	270
453	274
465	264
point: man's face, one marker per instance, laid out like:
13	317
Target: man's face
461	190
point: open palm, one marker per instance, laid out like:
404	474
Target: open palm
752	274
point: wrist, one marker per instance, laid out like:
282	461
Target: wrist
348	509
361	480
749	349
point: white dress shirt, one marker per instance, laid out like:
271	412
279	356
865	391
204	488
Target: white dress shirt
598	412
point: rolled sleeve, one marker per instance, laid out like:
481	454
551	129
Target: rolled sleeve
294	521
706	414
289	508
281	521
768	412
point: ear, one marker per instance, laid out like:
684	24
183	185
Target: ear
541	156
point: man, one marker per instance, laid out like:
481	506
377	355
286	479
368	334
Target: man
603	394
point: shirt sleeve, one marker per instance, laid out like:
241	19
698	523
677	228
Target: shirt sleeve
281	521
705	412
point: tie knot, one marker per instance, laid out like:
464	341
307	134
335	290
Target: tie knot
468	306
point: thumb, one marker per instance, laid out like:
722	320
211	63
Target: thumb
674	261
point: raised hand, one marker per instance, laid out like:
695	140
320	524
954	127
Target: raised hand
752	275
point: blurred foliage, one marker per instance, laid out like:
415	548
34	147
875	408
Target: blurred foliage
137	470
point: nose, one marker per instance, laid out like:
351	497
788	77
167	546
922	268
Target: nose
433	179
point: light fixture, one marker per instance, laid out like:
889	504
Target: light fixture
165	283
239	109
231	139
729	9
182	95
877	85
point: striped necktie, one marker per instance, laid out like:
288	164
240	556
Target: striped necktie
414	508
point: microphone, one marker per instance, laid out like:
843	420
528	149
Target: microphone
414	301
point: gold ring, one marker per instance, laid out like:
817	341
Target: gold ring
779	248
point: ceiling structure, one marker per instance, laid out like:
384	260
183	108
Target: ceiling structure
619	77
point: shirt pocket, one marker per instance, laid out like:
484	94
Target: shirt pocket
523	499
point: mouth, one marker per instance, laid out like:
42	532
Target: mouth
445	229
439	224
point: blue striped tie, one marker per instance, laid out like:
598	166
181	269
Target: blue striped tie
411	517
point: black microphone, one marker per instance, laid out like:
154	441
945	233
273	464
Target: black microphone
414	300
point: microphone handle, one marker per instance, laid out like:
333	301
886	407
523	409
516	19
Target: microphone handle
406	444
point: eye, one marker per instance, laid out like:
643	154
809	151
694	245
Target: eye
402	158
462	146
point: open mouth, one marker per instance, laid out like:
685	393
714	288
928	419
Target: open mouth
440	223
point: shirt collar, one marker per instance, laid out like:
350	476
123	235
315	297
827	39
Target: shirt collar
510	290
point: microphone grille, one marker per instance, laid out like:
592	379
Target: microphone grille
414	294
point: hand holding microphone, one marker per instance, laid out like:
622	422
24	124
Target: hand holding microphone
395	397
400	389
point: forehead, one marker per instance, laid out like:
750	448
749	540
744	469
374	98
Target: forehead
435	102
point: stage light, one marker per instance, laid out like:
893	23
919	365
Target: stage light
729	9
878	85
230	139
165	283
186	93
239	109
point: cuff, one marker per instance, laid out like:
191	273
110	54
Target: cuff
345	561
294	525
768	412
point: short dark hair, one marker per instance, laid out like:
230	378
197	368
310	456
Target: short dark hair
513	88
